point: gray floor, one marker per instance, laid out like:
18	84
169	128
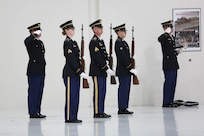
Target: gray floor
146	121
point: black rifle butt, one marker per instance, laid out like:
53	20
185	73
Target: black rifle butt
85	83
135	80
113	80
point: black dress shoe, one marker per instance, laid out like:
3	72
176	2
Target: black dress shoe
106	115
191	103
38	115
102	115
124	111
73	121
171	105
179	102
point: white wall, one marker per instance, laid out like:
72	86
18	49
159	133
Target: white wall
144	15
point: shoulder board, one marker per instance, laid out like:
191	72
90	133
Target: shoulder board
166	34
118	39
67	39
94	38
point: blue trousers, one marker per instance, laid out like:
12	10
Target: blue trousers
169	86
72	85
35	92
123	92
99	94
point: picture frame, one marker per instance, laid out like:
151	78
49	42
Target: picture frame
187	28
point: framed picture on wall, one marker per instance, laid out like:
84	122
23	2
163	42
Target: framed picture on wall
187	26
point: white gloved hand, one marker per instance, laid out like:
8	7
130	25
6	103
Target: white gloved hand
168	30
37	32
179	51
90	81
83	75
110	72
134	71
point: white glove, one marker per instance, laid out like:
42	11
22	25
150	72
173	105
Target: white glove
37	32
83	75
110	72
134	71
90	81
180	50
168	30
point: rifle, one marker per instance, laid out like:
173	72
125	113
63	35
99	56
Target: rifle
112	78
135	79
85	82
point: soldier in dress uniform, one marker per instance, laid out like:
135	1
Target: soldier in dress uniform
71	73
170	64
98	69
35	70
124	69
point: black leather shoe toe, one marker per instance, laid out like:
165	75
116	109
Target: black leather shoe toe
73	121
172	105
42	116
179	102
106	115
101	115
37	115
124	111
191	103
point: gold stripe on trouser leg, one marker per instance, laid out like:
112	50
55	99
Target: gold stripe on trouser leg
68	97
96	94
